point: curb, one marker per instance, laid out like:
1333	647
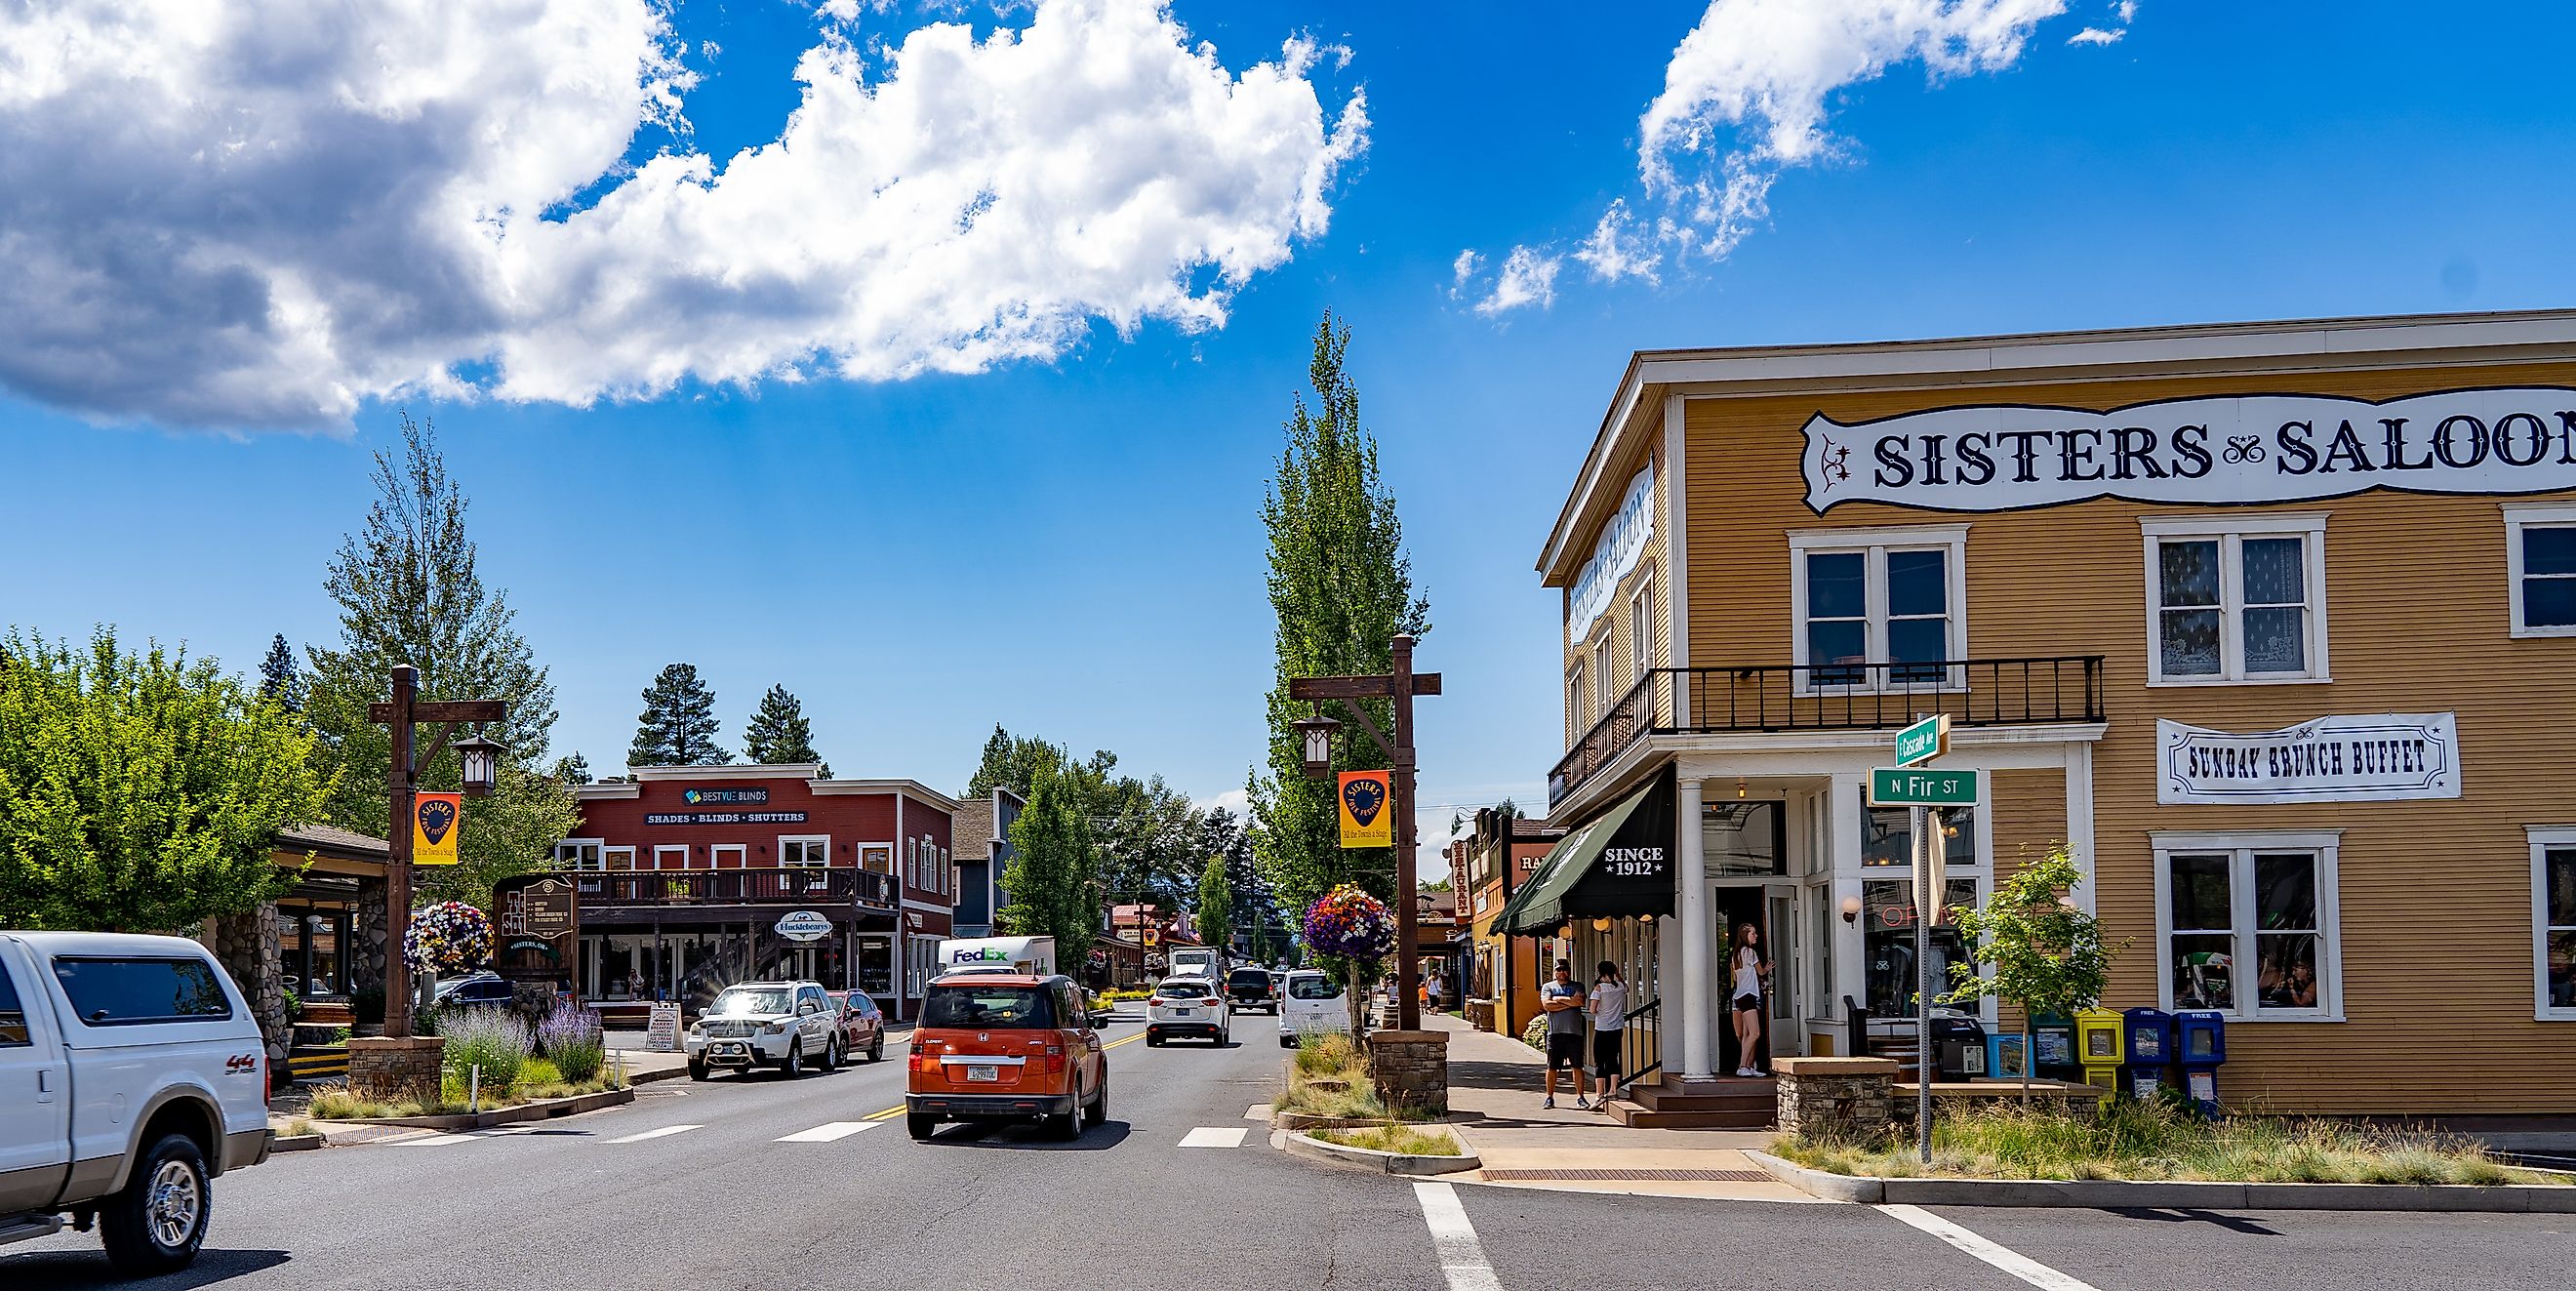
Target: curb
297	1143
537	1111
1377	1162
2110	1194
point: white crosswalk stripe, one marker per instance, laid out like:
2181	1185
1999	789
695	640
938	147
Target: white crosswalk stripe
1462	1257
827	1132
663	1132
1987	1249
1208	1136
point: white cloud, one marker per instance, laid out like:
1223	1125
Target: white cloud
1746	92
1461	270
231	216
1617	247
1527	278
2128	10
2095	36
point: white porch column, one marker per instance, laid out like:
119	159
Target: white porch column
1698	936
2079	818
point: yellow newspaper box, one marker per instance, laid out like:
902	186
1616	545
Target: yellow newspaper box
2100	1045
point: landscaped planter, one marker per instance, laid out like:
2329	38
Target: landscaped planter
2168	1194
1306	1145
1303	1121
541	1109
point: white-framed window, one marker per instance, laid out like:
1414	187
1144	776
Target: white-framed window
1578	715
578	854
1641	629
670	856
1605	692
727	856
621	857
2540	556
947	872
1896	597
2553	920
2236	600
804	851
878	857
2246	924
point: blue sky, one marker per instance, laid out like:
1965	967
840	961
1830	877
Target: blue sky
1063	537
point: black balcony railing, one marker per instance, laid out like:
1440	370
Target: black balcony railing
1849	695
735	887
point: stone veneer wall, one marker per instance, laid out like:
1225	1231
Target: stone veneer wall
1411	1068
383	1069
1835	1098
247	946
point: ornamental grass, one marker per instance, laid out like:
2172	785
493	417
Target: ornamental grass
2162	1140
1406	1140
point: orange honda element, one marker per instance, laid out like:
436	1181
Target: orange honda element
1006	1047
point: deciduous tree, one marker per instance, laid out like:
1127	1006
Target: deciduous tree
141	793
2041	951
1050	876
678	725
1341	588
1216	904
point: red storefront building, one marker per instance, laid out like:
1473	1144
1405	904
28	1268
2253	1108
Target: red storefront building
686	875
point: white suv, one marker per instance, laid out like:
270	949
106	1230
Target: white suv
1189	1005
775	1024
131	1074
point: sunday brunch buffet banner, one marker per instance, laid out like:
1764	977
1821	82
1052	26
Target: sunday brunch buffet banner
2374	758
2230	449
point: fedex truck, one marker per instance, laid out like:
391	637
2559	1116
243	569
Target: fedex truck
1034	956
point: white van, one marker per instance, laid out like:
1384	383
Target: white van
1312	1004
1196	961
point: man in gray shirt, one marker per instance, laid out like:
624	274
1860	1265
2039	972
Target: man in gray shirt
1562	1001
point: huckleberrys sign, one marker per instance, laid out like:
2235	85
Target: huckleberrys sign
2379	757
1622	544
2223	449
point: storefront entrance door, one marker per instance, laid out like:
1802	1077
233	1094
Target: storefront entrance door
1771	910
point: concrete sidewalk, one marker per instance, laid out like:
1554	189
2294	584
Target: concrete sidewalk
1495	1097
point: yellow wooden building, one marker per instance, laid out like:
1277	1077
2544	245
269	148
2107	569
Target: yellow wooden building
2270	625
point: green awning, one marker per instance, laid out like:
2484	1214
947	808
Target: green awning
1539	905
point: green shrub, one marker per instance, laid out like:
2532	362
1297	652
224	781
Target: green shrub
495	1040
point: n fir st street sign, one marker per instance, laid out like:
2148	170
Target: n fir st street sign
1915	787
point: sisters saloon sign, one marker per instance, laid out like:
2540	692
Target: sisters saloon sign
2222	450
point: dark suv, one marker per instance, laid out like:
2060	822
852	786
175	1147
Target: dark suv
1247	989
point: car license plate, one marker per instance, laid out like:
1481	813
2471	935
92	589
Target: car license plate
983	1073
1183	1013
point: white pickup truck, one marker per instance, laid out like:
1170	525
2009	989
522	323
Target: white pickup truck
131	1074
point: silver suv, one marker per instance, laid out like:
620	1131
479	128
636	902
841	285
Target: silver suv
784	1025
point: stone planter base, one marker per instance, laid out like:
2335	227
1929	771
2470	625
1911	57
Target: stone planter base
1411	1068
384	1069
1845	1098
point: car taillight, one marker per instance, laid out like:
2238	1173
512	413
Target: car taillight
916	1063
1157	1002
1055	1060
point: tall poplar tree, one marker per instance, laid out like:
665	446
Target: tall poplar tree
778	732
1051	872
1216	905
409	593
1341	587
678	725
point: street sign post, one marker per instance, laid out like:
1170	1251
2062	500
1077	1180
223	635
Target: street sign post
1924	740
1918	787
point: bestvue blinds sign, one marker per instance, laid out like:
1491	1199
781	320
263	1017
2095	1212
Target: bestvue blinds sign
1614	556
2374	758
2220	450
702	797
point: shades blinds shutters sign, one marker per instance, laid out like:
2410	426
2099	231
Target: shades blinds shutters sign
2374	758
2226	450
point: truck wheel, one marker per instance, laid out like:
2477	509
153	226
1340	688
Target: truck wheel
158	1220
1067	1127
697	1071
793	1066
921	1126
832	1054
1099	1112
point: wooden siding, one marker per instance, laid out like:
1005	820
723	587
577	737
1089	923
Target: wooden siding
2435	897
1614	620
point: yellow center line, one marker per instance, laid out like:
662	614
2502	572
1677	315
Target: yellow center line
897	1110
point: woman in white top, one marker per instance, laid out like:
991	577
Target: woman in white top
1608	1005
1746	955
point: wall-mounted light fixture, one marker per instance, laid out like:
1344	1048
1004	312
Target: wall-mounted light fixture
1851	909
1600	925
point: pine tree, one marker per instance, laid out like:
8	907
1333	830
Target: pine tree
409	593
279	678
678	725
778	731
1341	588
574	770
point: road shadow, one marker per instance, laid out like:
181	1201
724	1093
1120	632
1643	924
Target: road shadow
1025	1138
2232	1223
45	1269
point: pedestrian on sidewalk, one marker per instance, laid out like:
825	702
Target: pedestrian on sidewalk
1751	971
1608	1006
1562	1001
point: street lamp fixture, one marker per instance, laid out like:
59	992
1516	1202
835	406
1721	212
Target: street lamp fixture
482	759
1315	739
1851	909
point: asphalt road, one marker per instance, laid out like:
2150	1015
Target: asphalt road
769	1186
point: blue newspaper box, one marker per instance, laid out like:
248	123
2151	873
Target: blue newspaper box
2007	1057
2200	1046
2149	1050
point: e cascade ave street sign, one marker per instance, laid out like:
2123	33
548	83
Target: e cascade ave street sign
1924	740
1910	787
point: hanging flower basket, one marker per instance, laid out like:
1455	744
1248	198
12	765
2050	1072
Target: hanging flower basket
1351	924
448	938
